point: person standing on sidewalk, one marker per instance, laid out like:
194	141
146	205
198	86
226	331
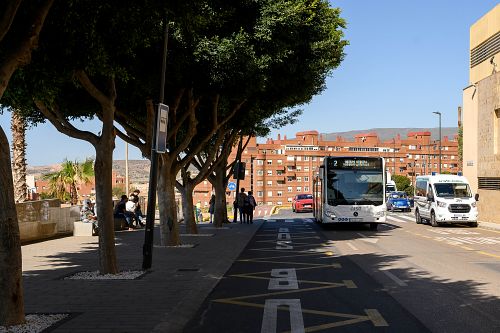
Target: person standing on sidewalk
251	206
242	198
211	207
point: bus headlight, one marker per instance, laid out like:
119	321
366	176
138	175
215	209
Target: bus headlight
441	203
330	214
473	205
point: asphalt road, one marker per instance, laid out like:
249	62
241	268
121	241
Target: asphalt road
294	277
447	277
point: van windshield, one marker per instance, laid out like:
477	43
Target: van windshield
453	190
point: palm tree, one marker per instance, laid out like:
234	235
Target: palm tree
18	128
69	177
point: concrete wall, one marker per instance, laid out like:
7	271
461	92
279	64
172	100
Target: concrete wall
488	151
44	219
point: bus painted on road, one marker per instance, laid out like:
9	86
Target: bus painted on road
350	190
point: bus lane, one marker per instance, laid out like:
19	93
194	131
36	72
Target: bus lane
289	279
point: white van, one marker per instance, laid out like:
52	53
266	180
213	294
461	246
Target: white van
445	199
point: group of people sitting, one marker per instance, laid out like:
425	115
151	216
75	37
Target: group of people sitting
246	203
130	209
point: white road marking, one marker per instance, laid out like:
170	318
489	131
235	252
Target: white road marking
408	217
394	278
367	239
271	220
469	240
283	245
454	231
308	220
269	321
392	218
352	246
283	230
283	279
284	236
288	221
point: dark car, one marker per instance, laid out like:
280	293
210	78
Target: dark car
398	201
302	203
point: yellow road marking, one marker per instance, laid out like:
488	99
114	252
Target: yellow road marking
290	256
372	315
286	292
346	283
297	269
289	262
293	238
488	254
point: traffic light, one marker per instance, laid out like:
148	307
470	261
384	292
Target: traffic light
239	170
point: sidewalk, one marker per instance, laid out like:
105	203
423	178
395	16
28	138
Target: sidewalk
161	301
489	225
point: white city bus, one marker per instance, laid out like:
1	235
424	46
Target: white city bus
350	190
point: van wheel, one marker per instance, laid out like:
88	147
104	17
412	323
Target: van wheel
418	219
472	224
433	220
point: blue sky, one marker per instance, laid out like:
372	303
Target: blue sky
405	60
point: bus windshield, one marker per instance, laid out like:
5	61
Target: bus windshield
452	190
355	187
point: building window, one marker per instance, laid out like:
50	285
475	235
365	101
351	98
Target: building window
299	188
306	178
269	183
290	158
314	158
260	162
260	172
306	168
269	162
270	193
279	203
299	179
279	172
279	193
306	158
299	168
260	183
269	172
306	188
290	189
289	199
289	178
280	162
260	194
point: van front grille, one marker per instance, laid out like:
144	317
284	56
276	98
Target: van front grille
459	208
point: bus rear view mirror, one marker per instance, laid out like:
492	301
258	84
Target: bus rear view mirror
430	197
476	197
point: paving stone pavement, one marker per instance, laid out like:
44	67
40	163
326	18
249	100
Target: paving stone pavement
163	300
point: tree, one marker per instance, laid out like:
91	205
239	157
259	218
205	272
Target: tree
20	27
18	129
403	183
64	183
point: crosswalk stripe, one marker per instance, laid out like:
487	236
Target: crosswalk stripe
308	220
392	218
271	220
407	217
288	221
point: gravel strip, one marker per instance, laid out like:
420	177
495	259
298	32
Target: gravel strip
125	275
34	323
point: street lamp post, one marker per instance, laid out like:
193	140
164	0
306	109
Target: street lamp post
439	114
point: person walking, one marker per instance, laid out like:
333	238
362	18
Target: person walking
242	198
251	206
211	207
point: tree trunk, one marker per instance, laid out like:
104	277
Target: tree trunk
169	227
188	209
18	128
104	201
220	214
11	284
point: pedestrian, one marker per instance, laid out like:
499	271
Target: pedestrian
138	212
130	208
211	207
242	200
251	206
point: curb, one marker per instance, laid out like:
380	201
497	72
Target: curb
489	225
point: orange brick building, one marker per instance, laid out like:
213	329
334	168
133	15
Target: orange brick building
280	168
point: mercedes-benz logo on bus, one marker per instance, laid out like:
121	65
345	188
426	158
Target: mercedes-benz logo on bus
355	213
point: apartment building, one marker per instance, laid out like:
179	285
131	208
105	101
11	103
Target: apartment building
280	168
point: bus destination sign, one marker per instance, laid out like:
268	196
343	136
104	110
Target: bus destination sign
355	163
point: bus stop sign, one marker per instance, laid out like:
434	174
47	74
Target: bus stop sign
161	128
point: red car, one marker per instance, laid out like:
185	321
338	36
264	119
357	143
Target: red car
302	203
